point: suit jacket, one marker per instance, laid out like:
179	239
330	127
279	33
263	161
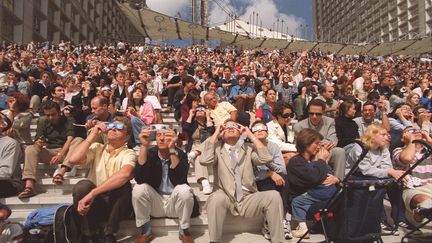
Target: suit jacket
277	135
117	95
215	154
326	128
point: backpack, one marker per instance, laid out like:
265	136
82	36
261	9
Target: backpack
39	234
55	224
66	225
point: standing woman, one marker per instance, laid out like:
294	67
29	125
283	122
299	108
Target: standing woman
198	128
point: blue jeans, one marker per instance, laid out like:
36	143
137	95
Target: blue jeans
300	205
223	94
137	126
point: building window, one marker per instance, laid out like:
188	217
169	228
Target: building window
7	30
36	24
9	4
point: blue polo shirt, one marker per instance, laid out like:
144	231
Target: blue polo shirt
236	90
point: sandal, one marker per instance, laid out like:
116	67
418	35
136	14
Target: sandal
58	179
27	192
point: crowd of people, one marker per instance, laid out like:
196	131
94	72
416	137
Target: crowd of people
276	128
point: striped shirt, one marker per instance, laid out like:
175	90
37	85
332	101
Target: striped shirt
423	171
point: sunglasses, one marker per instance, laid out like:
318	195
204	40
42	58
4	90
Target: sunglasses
200	108
315	114
116	125
287	115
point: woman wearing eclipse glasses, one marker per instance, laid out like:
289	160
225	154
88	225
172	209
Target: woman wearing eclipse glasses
198	126
272	176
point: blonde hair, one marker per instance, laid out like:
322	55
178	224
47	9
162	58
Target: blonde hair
370	133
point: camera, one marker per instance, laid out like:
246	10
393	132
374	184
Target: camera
157	127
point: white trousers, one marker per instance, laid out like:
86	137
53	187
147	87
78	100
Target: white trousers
148	202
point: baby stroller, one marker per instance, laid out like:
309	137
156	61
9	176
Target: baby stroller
353	213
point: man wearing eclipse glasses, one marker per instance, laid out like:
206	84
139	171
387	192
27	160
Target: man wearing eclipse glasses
162	189
326	127
234	160
106	194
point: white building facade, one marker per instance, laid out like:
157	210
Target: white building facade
348	21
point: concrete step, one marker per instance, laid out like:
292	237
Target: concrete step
198	224
167	115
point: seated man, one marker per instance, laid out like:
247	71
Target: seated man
418	196
326	127
106	194
100	114
327	95
237	191
242	96
219	112
368	116
10	158
162	189
54	135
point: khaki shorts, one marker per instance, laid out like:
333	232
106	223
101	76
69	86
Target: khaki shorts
408	194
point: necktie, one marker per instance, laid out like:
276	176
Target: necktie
237	176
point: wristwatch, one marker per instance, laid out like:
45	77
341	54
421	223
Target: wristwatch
174	152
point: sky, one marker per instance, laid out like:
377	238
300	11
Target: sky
297	14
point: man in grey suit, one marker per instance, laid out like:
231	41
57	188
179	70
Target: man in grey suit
326	127
237	191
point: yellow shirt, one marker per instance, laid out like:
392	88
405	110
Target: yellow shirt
104	164
222	112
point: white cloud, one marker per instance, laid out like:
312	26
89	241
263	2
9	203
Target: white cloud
267	11
169	7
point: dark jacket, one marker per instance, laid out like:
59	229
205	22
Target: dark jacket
346	131
117	97
40	90
178	97
151	173
78	101
302	177
204	133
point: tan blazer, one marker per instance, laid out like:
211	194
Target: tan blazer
216	155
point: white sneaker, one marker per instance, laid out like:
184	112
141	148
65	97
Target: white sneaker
265	231
298	233
206	188
71	173
287	229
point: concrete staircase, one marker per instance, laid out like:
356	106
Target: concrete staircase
165	230
236	229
